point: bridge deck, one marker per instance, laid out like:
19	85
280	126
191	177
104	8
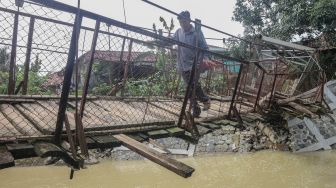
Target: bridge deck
37	117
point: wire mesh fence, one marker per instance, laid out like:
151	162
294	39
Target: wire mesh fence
132	85
121	78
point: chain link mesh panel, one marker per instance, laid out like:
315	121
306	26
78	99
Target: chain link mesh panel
134	84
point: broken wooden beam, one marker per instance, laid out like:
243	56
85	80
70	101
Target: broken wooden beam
171	164
302	109
21	151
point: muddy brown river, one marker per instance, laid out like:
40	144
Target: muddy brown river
260	170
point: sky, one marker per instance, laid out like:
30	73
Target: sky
214	13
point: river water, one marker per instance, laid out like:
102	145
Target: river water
260	170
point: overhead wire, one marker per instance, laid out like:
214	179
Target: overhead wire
208	27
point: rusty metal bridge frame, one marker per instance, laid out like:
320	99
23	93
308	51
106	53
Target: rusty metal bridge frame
42	27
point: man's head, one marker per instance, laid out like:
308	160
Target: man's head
184	19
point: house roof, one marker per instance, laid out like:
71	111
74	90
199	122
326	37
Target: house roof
54	79
217	49
114	56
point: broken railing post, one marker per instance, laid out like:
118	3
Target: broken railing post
89	69
79	126
12	64
28	53
235	89
189	87
272	92
129	57
67	79
18	88
259	91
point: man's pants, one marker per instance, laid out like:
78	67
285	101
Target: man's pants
200	95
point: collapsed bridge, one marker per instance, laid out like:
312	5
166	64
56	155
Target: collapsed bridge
66	70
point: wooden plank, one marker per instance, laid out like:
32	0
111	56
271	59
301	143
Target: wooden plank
105	141
155	111
20	123
210	125
50	105
171	164
21	151
6	159
136	137
175	131
52	108
122	110
140	113
49	119
104	113
89	118
34	120
6	128
165	106
158	133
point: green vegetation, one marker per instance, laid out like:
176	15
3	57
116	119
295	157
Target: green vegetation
310	22
35	79
284	19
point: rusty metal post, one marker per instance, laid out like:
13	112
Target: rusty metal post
189	87
121	59
274	82
28	53
228	79
235	89
126	66
259	91
208	80
122	50
273	87
12	64
89	69
244	87
67	79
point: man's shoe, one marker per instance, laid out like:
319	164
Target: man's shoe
206	105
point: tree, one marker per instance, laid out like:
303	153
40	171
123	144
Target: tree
36	66
287	19
36	80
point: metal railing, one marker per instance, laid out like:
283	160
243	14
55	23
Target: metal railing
125	82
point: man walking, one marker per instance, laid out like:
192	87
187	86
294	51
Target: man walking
186	56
